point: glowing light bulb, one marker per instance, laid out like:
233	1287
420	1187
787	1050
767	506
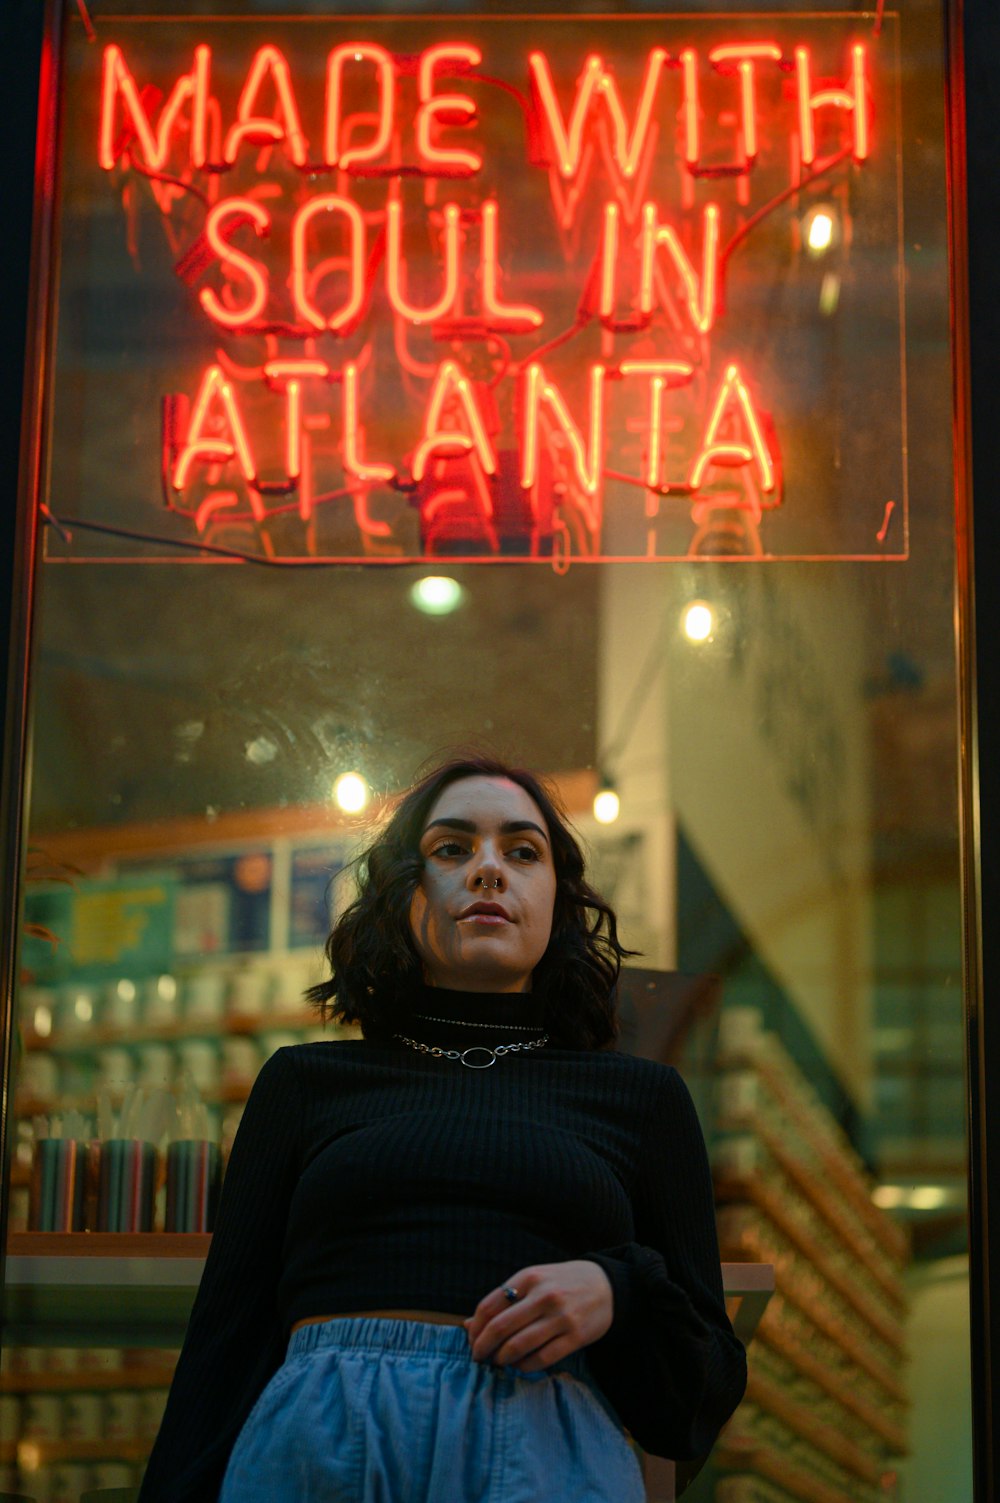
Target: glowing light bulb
351	793
42	1021
889	1196
698	621
607	806
819	233
437	595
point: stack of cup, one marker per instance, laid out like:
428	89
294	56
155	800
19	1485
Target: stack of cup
194	1178
57	1201
127	1186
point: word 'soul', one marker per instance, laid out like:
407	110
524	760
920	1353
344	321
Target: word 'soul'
386	117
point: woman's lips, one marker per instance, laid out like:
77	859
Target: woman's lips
483	911
493	919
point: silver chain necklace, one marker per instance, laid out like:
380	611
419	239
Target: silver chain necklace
437	1052
461	1023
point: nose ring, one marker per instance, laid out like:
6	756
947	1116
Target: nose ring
496	882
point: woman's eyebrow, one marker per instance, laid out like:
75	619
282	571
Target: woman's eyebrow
469	826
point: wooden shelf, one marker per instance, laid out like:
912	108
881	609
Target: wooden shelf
122	1245
53	1452
823	1437
752	1246
58	1287
793	1480
101	1288
848	1178
88	1380
811	1189
836	1386
751	1189
101	1035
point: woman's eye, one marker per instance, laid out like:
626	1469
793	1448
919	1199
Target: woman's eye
447	848
525	853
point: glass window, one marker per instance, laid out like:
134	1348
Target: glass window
601	418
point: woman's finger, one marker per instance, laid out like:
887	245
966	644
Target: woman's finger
545	1356
525	1343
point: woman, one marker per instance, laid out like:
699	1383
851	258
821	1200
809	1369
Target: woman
455	1259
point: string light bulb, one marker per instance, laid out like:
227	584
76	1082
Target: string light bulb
698	621
607	804
820	229
437	595
351	793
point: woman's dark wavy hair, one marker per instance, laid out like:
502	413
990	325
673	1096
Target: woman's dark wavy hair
374	963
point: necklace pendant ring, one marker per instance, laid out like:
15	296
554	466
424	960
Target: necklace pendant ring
477	1049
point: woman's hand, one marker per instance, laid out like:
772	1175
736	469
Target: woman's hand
563	1307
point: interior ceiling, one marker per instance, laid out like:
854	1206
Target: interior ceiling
164	691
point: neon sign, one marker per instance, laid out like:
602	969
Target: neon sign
369	236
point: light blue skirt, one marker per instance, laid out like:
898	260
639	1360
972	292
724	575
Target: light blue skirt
367	1410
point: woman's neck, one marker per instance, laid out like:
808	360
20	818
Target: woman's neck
476	1016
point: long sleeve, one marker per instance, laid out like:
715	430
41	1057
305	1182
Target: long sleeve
234	1342
670	1363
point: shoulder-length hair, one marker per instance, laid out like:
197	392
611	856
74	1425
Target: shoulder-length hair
375	968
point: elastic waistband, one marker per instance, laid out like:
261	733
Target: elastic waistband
412	1338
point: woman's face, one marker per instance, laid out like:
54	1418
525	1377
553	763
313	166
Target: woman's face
482	914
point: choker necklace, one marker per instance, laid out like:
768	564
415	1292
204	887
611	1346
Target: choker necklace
437	1052
460	1023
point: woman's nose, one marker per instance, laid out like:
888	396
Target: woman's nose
487	872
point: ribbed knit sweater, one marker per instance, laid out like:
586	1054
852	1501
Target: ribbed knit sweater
371	1176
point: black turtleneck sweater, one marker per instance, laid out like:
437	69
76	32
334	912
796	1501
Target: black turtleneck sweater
372	1176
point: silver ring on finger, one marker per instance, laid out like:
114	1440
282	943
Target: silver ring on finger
511	1294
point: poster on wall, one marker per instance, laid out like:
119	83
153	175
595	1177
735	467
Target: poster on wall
315	894
389	289
101	929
